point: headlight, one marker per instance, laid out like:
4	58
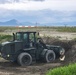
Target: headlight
8	55
62	51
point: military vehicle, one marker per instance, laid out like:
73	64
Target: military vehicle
26	47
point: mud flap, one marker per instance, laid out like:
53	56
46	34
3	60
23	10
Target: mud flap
62	58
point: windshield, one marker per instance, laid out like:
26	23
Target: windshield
21	36
18	36
25	36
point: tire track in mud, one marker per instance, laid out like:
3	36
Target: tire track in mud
8	68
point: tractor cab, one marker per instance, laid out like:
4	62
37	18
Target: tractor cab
28	38
24	36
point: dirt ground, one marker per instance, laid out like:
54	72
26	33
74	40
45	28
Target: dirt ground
8	68
59	35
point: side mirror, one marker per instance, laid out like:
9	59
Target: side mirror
13	37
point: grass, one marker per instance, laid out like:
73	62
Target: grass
67	70
66	29
60	29
4	38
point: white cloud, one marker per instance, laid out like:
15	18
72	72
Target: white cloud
66	5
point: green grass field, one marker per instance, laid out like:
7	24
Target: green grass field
4	38
67	70
67	29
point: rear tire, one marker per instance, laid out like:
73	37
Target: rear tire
50	56
24	59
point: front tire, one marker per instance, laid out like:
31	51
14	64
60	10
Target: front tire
50	56
24	59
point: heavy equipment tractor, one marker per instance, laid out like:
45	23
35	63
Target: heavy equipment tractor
26	48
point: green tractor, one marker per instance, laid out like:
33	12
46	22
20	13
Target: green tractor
26	48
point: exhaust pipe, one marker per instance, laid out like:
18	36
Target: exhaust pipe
13	37
0	47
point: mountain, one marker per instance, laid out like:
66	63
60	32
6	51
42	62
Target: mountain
14	22
27	23
61	24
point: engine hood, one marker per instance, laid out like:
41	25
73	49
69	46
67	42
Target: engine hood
10	42
4	43
10	45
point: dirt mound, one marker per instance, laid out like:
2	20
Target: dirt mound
63	43
71	55
69	46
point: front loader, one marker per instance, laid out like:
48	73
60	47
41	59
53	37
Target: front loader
27	48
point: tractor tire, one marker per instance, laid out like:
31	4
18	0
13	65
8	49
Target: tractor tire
50	56
25	59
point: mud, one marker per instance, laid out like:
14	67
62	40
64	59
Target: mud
8	68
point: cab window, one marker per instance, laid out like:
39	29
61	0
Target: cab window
31	37
25	36
18	36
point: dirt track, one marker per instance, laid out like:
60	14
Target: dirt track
8	68
59	35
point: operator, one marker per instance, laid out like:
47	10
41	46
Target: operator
31	38
39	40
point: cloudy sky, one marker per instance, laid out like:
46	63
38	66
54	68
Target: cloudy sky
41	11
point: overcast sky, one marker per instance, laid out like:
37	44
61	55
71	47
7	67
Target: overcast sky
60	5
38	10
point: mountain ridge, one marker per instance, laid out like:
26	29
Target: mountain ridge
14	22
